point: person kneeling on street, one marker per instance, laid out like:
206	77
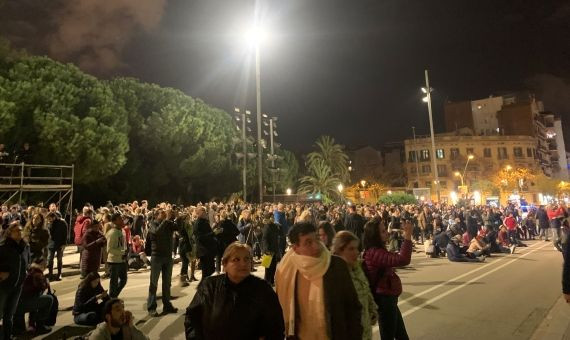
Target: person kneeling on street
118	325
34	301
89	301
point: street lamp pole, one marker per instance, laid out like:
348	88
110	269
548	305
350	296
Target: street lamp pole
436	175
416	156
258	97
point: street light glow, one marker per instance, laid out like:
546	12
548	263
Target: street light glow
363	182
425	99
255	35
424	90
470	156
508	168
457	174
340	188
289	191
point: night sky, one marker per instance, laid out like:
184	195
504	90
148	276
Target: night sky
351	69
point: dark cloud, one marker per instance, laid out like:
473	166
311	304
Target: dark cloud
90	33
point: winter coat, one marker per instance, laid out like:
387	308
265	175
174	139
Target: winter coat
228	235
380	263
355	224
38	238
206	244
92	243
58	234
160	237
272	240
223	310
542	218
35	283
280	218
566	270
454	253
80	227
369	307
138	225
16	257
86	299
244	228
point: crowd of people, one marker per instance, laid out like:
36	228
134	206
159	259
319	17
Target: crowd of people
330	269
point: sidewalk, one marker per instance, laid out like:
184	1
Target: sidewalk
556	324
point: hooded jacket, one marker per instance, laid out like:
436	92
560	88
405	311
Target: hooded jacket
16	257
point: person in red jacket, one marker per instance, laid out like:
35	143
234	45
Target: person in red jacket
555	215
511	225
379	266
80	227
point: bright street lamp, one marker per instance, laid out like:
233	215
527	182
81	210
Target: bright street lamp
363	183
340	188
255	36
458	174
288	191
508	168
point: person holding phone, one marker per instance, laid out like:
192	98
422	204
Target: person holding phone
89	301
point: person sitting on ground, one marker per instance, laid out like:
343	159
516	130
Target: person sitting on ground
478	247
118	325
244	304
34	301
89	301
137	250
454	253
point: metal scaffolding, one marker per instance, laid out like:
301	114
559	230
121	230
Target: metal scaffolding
17	178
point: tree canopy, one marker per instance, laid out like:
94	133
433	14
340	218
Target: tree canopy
127	139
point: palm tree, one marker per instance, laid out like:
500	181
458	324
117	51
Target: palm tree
320	180
331	154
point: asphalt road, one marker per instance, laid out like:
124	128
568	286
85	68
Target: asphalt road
507	297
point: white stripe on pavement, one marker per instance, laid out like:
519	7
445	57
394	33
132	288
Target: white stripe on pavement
438	297
455	279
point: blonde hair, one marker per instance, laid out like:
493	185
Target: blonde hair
233	249
341	240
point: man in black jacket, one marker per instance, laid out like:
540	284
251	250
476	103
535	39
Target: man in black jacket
15	257
354	222
206	245
160	238
58	239
272	244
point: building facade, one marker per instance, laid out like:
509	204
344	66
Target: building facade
490	155
514	114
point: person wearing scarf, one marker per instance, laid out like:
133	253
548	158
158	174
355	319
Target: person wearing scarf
315	290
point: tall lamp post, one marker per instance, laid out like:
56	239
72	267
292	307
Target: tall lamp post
244	118
462	176
427	90
255	36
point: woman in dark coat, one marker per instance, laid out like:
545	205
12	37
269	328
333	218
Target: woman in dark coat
93	241
89	301
235	305
37	236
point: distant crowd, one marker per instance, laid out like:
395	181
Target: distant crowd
316	295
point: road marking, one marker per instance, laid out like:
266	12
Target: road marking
438	297
455	279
